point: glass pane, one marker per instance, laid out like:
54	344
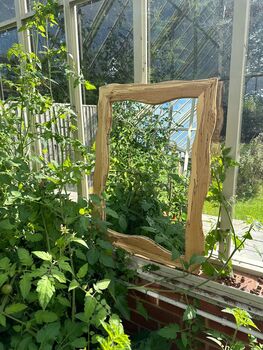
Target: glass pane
106	43
190	40
7	9
7	39
57	62
249	203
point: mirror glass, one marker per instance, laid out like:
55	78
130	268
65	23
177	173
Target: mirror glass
150	164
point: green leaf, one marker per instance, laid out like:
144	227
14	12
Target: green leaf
242	317
45	291
104	244
58	275
79	343
99	316
89	306
248	236
47	333
149	229
83	271
107	260
80	254
64	265
44	316
6	225
209	269
42	270
184	339
2	320
141	310
63	301
112	213
89	86
25	285
123	222
175	254
169	332
197	259
189	313
15	308
93	256
122	305
4	263
24	257
17	328
79	241
3	279
43	255
41	28
73	285
103	284
36	237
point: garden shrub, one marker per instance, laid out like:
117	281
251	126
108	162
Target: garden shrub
59	276
250	168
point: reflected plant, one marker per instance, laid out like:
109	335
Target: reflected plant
144	186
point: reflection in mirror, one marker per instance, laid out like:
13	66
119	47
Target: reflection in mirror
150	161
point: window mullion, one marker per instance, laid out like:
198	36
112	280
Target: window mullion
234	111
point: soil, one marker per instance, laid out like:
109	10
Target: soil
245	282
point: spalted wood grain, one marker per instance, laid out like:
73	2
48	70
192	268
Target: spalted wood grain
155	93
206	91
200	171
143	247
220	114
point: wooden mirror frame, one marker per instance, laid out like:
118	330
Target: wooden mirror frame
206	92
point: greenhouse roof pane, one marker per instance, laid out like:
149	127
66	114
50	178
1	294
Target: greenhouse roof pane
7	10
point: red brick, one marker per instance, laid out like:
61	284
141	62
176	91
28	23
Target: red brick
131	302
210	308
259	325
173	295
171	308
130	327
161	315
142	322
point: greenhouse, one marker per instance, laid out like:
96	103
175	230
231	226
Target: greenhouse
131	174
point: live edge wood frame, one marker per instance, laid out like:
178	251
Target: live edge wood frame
206	91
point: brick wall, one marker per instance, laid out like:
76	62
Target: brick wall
161	313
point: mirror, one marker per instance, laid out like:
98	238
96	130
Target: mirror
144	177
148	176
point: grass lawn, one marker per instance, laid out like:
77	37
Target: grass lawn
243	209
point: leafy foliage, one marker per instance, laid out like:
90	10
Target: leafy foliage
165	337
250	168
58	274
242	318
116	338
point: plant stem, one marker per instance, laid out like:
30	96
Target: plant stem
73	311
21	322
46	231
